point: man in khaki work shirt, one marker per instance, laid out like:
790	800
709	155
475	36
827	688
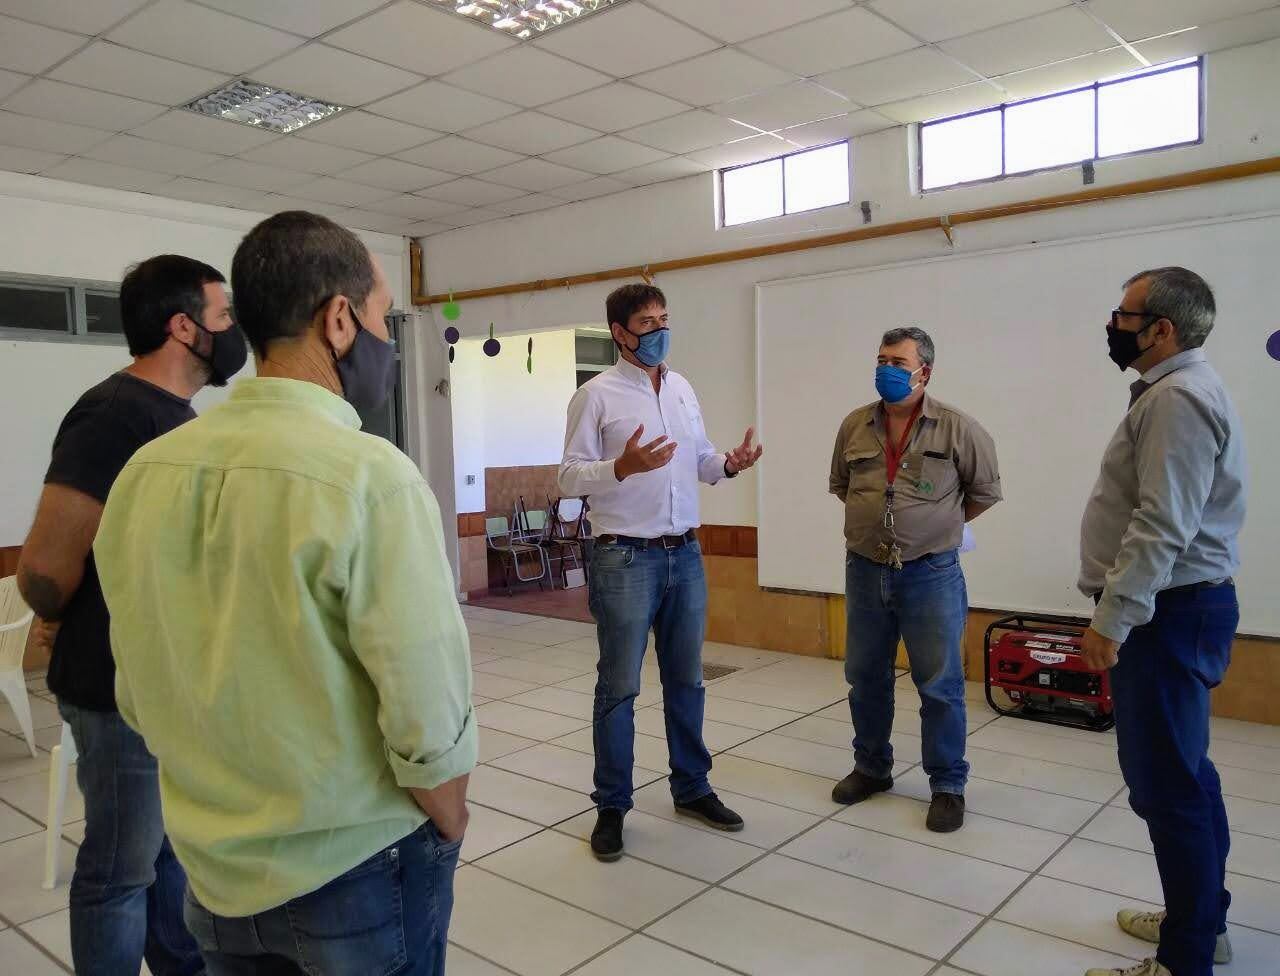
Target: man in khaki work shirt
910	472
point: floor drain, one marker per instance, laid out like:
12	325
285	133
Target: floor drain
712	671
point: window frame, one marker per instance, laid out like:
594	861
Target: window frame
783	157
75	290
1197	64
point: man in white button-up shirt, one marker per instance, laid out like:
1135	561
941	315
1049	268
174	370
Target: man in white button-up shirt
636	445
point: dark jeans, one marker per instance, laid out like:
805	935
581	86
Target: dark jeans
126	894
389	915
634	591
924	604
1161	688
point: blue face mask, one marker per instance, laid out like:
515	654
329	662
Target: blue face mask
653	347
893	383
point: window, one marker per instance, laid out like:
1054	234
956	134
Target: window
595	351
102	313
59	309
805	180
36	308
1156	108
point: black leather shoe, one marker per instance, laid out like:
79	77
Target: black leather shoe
946	813
857	787
606	839
711	812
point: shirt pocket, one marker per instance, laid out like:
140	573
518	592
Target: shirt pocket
866	470
927	475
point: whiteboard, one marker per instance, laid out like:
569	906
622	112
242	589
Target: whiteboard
1021	347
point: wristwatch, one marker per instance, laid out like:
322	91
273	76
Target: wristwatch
727	472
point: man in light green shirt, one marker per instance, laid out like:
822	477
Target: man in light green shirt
288	641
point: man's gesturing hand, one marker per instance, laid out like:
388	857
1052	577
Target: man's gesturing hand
744	455
637	458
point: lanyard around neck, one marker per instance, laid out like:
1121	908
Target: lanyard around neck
892	454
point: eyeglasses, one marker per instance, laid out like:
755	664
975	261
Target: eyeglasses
1119	313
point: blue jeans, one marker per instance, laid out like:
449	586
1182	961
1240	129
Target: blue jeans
126	894
1161	689
634	591
925	605
389	915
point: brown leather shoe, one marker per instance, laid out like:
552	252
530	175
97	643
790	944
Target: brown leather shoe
946	813
857	787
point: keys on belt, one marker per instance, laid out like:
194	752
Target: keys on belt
662	542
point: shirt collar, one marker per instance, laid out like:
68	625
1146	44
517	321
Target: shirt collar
299	393
634	374
1174	363
928	410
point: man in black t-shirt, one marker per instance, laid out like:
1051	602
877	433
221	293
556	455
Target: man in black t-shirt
126	895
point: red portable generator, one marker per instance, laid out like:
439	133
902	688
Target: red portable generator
1034	660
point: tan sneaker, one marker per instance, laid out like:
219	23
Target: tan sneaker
1148	967
1146	926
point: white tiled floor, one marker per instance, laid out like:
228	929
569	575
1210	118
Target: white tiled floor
1049	852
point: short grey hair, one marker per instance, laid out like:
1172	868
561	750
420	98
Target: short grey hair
924	344
1182	297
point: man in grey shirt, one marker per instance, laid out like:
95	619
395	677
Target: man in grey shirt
1158	548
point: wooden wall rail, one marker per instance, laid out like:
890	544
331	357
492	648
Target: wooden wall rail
944	223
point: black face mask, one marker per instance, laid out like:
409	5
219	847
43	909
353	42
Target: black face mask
228	353
367	371
1123	346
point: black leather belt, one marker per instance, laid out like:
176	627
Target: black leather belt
662	542
1187	587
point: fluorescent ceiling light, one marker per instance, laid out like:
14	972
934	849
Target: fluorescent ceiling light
262	106
525	18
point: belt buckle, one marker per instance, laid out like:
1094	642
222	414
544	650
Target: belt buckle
670	542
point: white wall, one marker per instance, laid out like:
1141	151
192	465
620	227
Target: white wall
69	230
504	416
712	309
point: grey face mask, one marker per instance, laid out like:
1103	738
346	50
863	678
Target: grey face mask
367	371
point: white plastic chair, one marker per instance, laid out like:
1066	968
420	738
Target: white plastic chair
15	625
64	754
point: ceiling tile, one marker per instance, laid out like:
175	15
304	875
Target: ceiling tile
688	132
1218	36
715	77
412	206
367	133
737	20
82	106
832	42
532	133
834	130
208	38
472	193
253	176
17	160
529	204
918	72
180	128
337	76
31	48
469	218
536	174
306	156
1030	43
106	174
599	187
443	107
11	81
675	168
112	68
453	154
216	194
1137	19
934	21
1068	74
382	223
308	17
422	39
615	107
743	151
73	15
526	76
427	229
783	107
957	101
394	174
342	192
626	40
280	202
57	137
159	157
607	155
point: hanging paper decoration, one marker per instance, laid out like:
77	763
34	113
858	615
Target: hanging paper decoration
529	364
492	346
451	352
451	310
1273	345
451	335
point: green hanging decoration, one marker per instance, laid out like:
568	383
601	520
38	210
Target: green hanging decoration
451	310
529	364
